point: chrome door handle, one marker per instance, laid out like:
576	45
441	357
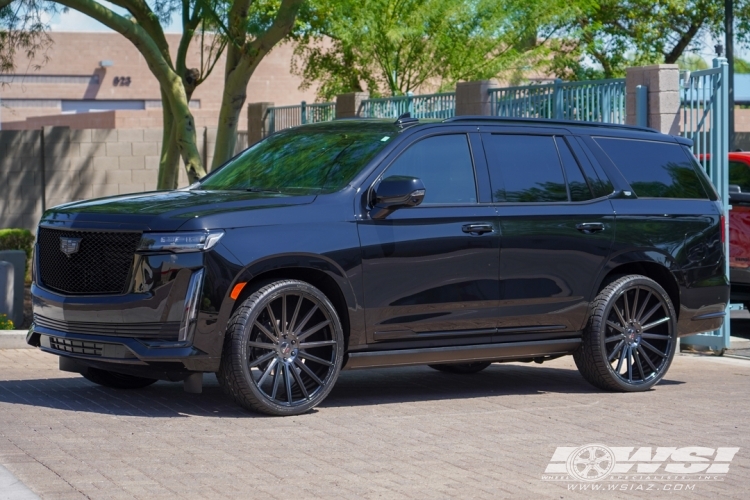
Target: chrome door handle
590	227
477	228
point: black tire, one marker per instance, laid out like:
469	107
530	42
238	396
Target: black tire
632	317
261	351
462	368
116	380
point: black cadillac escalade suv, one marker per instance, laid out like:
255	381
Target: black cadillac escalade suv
368	243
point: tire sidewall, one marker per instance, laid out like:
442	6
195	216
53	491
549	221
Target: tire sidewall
243	329
621	286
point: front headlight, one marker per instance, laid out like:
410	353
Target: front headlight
197	241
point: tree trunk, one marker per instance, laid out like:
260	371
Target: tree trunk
235	93
169	162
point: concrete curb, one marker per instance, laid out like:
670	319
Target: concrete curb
13	339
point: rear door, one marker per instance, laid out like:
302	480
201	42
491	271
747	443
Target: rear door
557	227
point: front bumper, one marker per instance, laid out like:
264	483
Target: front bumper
166	360
160	328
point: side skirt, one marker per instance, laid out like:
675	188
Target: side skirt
462	354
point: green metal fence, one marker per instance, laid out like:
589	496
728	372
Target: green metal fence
704	104
593	100
441	105
281	117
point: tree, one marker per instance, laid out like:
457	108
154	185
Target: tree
620	33
247	29
391	47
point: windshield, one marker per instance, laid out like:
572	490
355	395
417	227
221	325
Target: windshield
306	160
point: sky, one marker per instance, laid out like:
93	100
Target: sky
72	20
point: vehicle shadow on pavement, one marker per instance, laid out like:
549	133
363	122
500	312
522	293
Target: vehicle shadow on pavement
354	388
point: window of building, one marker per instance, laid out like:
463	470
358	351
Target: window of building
444	165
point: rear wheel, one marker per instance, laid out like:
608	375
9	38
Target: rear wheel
630	340
463	368
116	380
283	349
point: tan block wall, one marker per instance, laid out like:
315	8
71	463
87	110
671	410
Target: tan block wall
78	165
80	54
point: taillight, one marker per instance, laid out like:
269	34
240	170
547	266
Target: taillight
722	221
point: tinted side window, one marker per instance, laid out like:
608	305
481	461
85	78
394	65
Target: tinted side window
739	173
598	180
525	168
654	169
444	165
579	187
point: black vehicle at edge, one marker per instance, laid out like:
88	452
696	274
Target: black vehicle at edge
367	243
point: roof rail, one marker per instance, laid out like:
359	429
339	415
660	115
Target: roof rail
538	121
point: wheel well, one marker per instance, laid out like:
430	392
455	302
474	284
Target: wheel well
656	272
316	278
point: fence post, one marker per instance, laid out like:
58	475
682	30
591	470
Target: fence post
641	105
557	97
347	105
663	83
473	98
303	112
256	121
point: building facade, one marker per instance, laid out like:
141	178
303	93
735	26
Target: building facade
100	80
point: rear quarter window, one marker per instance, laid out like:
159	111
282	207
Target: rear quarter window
654	169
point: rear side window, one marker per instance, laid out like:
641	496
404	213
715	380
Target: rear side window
579	187
525	168
443	163
654	169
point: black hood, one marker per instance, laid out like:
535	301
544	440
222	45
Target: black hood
170	210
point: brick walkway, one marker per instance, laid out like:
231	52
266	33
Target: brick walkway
399	433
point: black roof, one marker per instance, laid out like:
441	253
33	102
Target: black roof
546	121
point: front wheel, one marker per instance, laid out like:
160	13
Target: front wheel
630	340
283	349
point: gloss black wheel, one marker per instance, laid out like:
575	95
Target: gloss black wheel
283	350
631	336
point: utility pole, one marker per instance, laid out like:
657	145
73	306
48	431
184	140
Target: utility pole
729	44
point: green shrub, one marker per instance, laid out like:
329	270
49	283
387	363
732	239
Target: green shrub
18	239
5	323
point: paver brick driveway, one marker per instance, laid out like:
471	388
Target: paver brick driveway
397	433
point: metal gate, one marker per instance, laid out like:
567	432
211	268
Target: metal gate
704	102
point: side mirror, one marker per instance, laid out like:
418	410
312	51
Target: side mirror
396	192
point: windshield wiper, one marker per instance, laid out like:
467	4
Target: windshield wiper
262	190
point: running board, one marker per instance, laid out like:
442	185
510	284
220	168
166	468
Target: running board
461	354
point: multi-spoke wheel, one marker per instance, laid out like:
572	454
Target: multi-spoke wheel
283	349
630	340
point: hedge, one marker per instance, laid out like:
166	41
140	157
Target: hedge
17	239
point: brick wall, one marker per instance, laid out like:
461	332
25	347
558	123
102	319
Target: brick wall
78	165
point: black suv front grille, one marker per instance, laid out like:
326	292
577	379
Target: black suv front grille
76	346
101	265
163	331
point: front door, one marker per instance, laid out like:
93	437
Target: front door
430	272
556	233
